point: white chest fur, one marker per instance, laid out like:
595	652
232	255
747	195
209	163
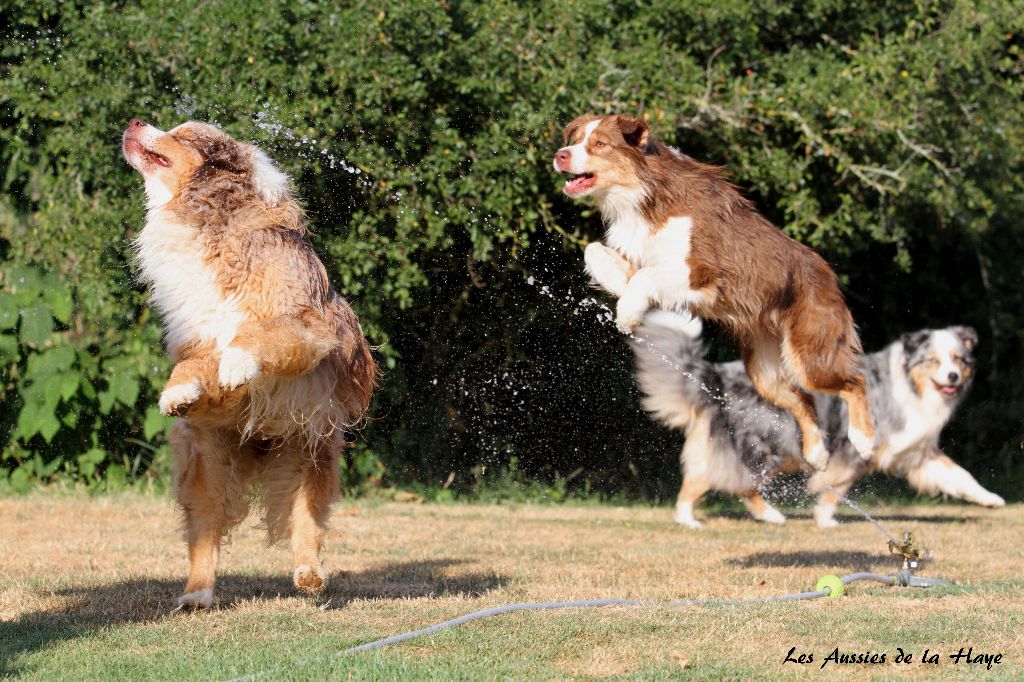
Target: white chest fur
627	231
183	287
634	238
671	244
925	415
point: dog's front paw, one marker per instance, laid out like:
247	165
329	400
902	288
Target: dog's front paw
629	314
237	366
684	516
987	499
689	522
200	599
310	579
175	400
829	522
770	515
607	269
824	516
594	255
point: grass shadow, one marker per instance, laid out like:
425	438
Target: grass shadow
848	517
855	561
88	608
920	518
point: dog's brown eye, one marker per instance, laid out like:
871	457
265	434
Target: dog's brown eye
598	143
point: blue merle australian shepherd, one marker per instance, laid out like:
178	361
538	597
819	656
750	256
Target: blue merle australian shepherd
736	441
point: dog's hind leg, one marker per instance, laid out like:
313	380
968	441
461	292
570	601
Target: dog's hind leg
300	487
760	509
822	353
937	473
209	484
694	487
763	360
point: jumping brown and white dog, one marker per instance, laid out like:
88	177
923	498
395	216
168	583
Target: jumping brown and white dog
271	365
736	442
679	236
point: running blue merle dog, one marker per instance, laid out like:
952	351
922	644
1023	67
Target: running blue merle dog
736	441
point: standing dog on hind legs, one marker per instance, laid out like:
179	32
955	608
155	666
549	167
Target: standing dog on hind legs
271	365
681	237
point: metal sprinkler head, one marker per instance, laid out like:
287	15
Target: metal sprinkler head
914	555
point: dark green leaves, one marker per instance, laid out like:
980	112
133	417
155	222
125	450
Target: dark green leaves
886	135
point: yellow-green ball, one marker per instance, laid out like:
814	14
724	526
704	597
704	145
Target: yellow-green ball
832	583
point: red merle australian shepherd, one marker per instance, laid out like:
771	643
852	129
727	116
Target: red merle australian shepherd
681	237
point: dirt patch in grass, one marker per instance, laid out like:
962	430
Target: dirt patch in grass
87	587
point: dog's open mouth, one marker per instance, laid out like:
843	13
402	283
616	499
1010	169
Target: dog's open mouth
579	183
136	148
946	389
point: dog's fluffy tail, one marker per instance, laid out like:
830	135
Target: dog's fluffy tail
676	382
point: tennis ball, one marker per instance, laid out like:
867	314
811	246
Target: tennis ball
832	583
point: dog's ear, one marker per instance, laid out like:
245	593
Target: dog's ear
220	153
913	340
270	182
968	336
574	125
635	131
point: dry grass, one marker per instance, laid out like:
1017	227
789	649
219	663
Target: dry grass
87	585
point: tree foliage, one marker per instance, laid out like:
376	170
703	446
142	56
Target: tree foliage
888	136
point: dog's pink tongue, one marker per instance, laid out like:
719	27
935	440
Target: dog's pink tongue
578	183
949	389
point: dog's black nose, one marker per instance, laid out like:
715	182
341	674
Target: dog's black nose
953	377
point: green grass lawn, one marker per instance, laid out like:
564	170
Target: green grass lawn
87	586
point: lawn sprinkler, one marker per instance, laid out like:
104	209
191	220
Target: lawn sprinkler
914	555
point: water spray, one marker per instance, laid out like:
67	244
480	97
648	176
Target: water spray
913	553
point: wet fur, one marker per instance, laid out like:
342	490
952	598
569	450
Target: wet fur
271	365
736	441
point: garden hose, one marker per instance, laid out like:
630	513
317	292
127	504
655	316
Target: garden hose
828	586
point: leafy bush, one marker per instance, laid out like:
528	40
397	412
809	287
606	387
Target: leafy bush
72	398
420	136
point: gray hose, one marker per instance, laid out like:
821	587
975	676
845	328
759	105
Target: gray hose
539	606
853	577
536	606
